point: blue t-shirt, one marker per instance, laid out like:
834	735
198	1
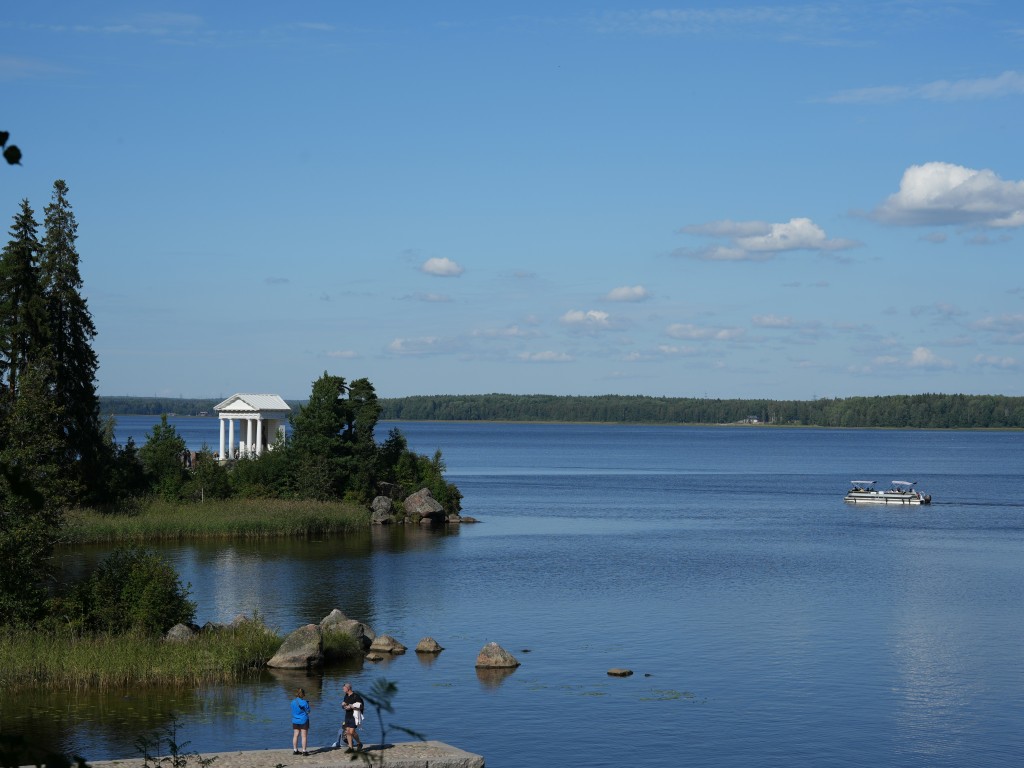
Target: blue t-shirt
300	711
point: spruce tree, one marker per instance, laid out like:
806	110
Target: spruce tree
22	311
70	335
317	448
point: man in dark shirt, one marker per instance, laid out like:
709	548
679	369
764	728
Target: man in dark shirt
353	706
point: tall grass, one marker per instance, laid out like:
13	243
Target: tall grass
231	518
68	662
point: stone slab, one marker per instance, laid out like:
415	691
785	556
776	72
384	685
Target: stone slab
413	754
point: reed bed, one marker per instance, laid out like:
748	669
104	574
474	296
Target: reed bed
104	662
230	518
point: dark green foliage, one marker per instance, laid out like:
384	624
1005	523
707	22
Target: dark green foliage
28	530
33	444
22	311
265	476
70	333
318	450
208	479
163	457
412	471
126	477
926	411
358	436
132	590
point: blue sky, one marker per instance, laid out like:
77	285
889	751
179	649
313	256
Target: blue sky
693	199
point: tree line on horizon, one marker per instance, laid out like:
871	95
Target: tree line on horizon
923	411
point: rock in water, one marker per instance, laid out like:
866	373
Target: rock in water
387	644
302	649
428	645
493	656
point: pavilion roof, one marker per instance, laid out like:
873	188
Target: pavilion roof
247	402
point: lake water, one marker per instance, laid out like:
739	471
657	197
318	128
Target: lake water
767	622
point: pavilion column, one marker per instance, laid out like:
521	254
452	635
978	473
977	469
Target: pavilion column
248	436
231	438
259	437
221	454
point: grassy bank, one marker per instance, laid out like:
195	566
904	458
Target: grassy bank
233	518
63	661
103	662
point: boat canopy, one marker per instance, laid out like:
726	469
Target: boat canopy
863	482
903	482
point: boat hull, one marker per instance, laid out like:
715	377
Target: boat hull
886	497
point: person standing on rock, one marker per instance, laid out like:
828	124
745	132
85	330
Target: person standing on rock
300	721
353	705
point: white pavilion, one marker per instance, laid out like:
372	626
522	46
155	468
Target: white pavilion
261	420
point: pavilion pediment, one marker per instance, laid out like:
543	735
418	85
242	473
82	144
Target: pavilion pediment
249	404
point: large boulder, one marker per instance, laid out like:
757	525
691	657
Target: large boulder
180	633
302	649
428	645
336	621
493	656
380	511
387	644
422	504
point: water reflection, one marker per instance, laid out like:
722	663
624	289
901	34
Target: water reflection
288	581
491	678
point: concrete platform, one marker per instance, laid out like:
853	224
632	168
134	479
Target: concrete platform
413	754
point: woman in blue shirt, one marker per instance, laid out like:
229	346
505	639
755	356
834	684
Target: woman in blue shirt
300	721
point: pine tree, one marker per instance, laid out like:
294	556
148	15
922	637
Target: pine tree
22	311
317	448
70	335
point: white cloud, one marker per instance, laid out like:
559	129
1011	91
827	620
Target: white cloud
936	194
628	293
761	240
343	354
1008	83
672	350
772	321
1007	328
432	298
545	357
992	361
688	331
418	346
922	357
509	332
592	318
441	267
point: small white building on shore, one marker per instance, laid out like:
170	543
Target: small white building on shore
261	421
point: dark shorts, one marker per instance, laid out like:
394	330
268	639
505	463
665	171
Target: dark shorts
303	727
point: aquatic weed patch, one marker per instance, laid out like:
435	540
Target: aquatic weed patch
65	661
230	518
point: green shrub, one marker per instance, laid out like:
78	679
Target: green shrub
132	590
340	645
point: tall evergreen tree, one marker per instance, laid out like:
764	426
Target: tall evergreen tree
22	311
70	335
317	449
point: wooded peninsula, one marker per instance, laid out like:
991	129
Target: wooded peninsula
924	411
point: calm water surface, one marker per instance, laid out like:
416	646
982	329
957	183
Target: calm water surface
767	622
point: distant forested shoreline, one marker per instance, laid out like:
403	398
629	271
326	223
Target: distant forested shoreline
925	411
